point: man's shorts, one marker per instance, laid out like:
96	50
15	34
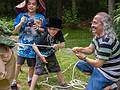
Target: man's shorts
30	61
43	68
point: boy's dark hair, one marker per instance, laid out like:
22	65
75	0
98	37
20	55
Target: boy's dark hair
54	22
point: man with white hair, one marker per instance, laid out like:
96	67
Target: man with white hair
105	68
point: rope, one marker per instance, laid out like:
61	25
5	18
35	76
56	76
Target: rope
20	44
77	84
74	82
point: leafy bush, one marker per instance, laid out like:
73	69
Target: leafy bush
8	22
70	18
116	19
6	26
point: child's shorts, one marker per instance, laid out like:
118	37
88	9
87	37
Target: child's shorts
30	61
43	68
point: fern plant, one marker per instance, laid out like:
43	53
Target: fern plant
4	29
116	20
70	18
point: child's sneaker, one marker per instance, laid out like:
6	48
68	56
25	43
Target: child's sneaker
29	83
14	86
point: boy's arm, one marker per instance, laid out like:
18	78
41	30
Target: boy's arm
59	45
38	53
36	50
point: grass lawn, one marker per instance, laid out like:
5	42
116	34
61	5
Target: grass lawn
65	57
79	37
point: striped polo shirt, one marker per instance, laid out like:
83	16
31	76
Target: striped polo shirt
108	49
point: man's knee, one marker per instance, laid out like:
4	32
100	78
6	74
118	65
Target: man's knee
81	65
84	67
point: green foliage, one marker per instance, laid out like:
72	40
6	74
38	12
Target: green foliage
116	19
5	28
5	32
8	21
70	18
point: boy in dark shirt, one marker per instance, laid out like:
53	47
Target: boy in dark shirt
46	55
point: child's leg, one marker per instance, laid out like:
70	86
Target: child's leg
30	75
60	78
54	67
17	71
31	64
39	70
34	81
20	62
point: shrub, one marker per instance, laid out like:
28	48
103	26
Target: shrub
6	26
69	18
116	20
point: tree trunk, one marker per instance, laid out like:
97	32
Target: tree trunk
110	6
74	8
59	8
